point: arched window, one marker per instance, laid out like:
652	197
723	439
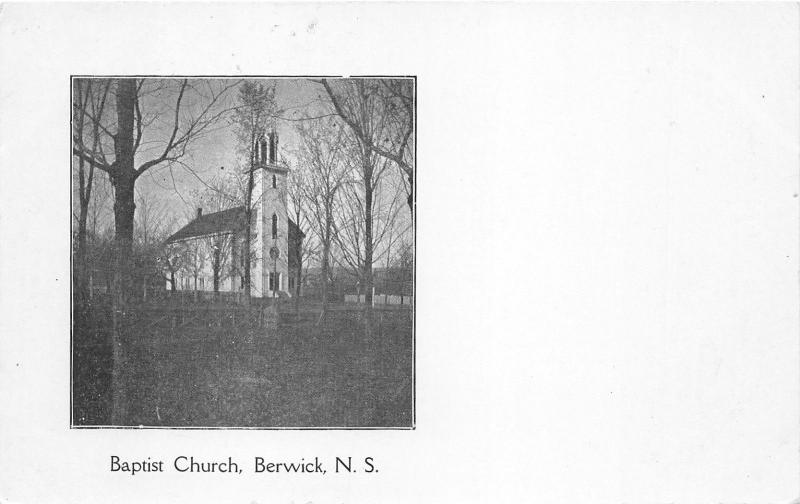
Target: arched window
273	147
274	182
274	226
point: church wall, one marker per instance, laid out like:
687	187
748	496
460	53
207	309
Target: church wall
185	279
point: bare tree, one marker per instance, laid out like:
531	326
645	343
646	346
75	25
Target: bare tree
361	105
172	262
321	158
99	237
89	99
144	133
220	194
296	208
150	222
140	141
152	226
100	211
193	261
393	100
387	225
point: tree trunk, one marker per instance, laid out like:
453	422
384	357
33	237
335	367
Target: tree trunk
84	193
297	280
326	256
82	275
121	292
216	271
246	247
411	193
123	179
367	268
248	199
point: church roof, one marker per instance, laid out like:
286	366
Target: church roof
226	221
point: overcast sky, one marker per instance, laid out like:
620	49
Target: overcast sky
216	150
172	190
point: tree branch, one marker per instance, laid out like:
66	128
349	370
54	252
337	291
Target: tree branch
94	162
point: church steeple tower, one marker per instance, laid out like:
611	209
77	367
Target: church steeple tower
270	270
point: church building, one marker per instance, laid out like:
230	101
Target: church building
210	247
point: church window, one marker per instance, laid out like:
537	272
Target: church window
273	146
274	182
274	226
274	281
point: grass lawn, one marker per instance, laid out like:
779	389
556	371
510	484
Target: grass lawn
199	366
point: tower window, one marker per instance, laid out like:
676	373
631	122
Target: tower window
274	182
274	281
273	147
274	226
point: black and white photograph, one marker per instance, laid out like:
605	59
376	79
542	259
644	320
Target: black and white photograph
243	252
